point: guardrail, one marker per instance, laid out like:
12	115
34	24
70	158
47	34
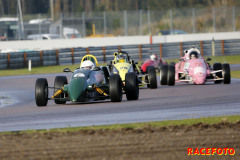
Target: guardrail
15	60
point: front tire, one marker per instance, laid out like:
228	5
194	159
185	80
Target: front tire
41	92
216	67
164	74
115	88
59	82
131	86
226	73
171	75
152	77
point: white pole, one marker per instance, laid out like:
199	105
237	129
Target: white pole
29	65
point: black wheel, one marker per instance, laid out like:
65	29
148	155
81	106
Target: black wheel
216	67
226	73
59	82
41	92
152	77
131	86
164	75
106	73
115	88
171	75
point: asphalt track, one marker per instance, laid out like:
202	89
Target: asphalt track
164	103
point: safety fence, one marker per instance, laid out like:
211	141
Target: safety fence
15	60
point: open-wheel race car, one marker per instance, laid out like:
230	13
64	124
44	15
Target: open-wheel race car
193	68
153	61
125	67
88	83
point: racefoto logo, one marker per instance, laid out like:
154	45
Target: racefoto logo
211	151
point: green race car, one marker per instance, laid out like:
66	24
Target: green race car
88	83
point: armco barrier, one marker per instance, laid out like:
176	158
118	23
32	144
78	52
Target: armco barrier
105	54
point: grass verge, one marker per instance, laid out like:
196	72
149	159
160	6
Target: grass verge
206	120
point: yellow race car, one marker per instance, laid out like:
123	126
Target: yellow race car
131	75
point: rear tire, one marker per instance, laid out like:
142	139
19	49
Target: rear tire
171	75
226	73
115	88
59	82
41	92
152	77
218	66
131	86
164	74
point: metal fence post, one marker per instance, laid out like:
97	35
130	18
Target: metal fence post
140	22
213	47
201	45
39	25
41	57
72	53
160	50
57	57
8	60
214	19
171	21
61	25
149	22
83	25
104	54
222	47
87	50
181	49
194	20
105	23
140	52
125	23
234	23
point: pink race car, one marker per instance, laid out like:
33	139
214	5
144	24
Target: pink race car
153	61
192	68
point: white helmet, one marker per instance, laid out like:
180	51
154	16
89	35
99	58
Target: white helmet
153	57
87	65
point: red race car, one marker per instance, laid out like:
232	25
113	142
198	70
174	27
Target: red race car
153	61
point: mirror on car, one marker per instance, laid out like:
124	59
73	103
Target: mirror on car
67	70
208	59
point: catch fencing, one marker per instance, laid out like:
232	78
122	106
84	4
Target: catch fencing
104	54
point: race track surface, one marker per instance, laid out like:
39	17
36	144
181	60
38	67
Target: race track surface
164	103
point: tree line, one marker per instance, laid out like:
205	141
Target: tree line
9	7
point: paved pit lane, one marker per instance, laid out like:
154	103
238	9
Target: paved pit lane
164	103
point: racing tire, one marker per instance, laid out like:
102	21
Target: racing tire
59	82
226	73
115	88
164	74
171	75
131	86
218	66
41	92
152	77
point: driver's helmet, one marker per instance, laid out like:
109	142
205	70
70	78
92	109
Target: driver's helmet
153	57
121	58
87	64
193	55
